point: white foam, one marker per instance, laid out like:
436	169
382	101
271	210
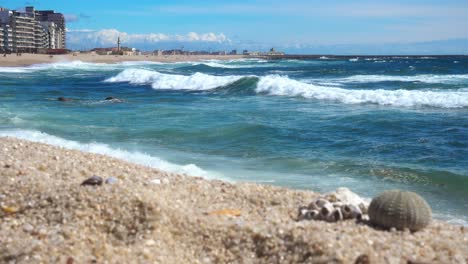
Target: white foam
425	78
98	148
197	81
283	86
354	59
71	65
13	69
219	65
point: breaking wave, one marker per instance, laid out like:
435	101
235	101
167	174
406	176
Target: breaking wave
104	149
197	81
283	86
425	78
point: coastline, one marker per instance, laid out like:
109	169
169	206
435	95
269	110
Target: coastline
26	59
150	215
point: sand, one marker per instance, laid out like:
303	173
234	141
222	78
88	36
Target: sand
11	60
150	216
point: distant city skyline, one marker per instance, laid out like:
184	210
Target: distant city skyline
294	26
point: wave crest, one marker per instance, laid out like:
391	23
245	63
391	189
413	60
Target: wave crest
424	78
197	81
283	86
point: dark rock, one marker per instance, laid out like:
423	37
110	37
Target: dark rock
114	99
64	99
95	180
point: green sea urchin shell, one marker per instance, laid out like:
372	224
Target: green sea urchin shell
400	209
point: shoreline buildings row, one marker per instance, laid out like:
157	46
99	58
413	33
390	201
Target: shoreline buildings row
31	31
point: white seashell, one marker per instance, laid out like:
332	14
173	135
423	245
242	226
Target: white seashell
337	215
364	207
306	214
326	211
319	203
302	213
313	214
351	211
346	196
338	204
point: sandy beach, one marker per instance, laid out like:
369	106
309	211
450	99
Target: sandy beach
150	216
11	60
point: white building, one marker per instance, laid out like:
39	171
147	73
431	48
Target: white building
31	30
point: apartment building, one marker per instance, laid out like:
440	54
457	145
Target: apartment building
31	30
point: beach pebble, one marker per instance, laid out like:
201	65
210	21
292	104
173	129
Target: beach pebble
95	180
159	181
111	180
156	181
28	228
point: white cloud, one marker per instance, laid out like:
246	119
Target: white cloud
69	18
80	30
109	37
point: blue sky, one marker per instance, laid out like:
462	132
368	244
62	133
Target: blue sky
297	26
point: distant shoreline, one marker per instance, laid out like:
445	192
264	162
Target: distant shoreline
27	59
325	56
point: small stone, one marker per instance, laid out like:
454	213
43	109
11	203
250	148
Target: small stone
28	228
111	180
95	180
150	242
156	181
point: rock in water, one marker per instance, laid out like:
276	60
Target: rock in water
95	180
400	209
64	99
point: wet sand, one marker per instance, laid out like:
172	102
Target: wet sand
151	216
11	60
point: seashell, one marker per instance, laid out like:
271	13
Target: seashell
400	209
344	195
302	213
364	207
337	204
306	214
95	180
313	215
318	203
351	211
326	211
337	215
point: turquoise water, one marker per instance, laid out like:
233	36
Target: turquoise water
366	124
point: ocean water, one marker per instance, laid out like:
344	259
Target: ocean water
368	124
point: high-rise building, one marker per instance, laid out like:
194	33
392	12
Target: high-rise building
31	30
